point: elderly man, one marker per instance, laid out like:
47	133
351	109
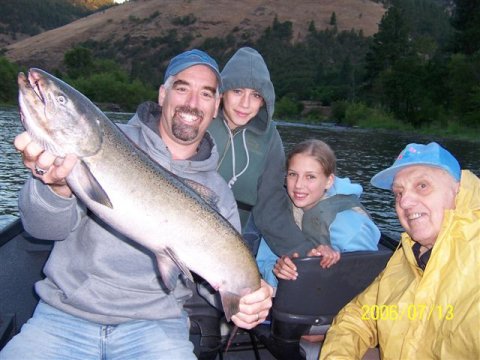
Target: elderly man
426	303
101	297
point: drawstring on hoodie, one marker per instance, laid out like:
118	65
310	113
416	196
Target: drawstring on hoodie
236	176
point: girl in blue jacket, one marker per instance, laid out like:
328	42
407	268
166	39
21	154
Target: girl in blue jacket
326	208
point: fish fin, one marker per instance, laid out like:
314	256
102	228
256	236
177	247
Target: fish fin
91	186
230	303
171	267
210	197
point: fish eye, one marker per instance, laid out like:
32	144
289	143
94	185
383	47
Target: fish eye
61	99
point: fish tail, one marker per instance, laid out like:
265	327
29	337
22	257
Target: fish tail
230	303
233	333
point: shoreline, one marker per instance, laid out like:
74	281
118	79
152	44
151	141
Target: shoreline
465	134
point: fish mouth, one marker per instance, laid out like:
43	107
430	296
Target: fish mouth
29	85
33	82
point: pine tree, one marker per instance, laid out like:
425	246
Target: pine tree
466	21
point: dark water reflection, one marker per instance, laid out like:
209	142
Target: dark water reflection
360	154
12	172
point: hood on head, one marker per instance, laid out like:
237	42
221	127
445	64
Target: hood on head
247	69
343	186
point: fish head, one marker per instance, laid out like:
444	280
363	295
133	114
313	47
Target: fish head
58	117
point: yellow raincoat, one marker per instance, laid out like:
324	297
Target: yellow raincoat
415	314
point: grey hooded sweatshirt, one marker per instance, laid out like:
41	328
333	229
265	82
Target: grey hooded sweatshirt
97	274
257	180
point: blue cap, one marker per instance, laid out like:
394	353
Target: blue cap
418	154
191	58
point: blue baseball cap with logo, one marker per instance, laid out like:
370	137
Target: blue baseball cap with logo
418	154
191	58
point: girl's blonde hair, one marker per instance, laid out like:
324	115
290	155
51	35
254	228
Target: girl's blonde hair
320	150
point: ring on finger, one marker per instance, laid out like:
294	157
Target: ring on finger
258	317
40	171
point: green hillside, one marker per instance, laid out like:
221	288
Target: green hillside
418	71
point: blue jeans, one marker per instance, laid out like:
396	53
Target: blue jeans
52	334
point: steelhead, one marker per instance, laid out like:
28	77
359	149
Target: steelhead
134	194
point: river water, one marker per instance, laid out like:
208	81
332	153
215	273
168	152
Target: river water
360	155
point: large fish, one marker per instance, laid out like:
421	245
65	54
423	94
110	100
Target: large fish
134	194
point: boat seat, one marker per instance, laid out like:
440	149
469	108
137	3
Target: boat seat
309	304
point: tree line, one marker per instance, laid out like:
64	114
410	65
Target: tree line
420	70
